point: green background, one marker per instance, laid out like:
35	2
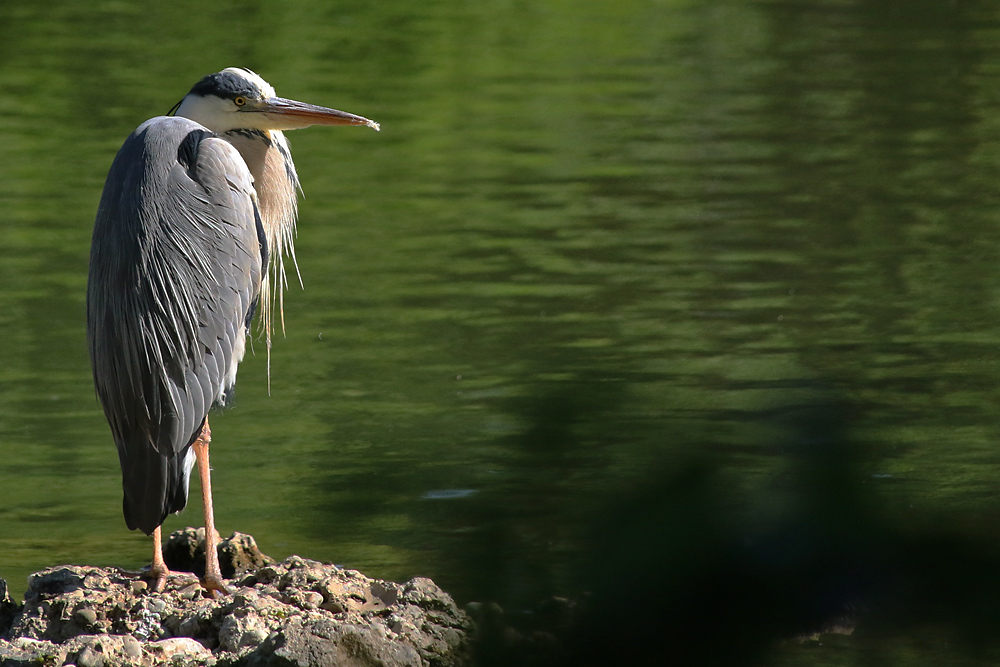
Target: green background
595	244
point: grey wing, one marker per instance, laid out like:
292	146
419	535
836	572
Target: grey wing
175	273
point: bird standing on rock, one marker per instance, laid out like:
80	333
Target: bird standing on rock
197	214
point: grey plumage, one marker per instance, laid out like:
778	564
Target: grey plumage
176	266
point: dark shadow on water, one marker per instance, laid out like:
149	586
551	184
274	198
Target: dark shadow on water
687	562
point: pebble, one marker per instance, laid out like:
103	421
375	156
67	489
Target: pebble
190	592
88	657
333	607
184	646
189	627
86	616
132	647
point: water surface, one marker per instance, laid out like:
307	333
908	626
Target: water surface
592	243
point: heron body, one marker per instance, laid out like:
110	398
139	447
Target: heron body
195	209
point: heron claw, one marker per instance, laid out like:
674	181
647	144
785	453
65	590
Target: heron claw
214	586
158	578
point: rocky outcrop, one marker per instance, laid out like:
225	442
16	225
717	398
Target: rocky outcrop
297	612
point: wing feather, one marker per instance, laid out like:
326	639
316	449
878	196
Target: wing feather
175	271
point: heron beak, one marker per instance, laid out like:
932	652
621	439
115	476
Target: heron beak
292	115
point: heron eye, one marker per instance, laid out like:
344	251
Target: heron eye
239	101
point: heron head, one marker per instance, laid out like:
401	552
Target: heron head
239	99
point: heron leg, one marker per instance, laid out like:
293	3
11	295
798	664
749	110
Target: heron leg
212	581
158	571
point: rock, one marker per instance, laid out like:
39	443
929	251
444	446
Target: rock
8	609
131	647
238	554
319	642
23	651
184	551
178	650
88	657
296	612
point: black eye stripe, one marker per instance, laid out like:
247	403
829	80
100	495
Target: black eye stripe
227	85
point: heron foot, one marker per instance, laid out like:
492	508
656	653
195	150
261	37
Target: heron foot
157	577
214	586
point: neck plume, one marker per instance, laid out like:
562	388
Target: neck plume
270	162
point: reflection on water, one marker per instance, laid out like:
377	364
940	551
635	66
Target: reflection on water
665	222
447	494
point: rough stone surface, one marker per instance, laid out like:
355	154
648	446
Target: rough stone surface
297	612
8	609
238	554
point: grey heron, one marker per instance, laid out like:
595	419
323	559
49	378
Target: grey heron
197	213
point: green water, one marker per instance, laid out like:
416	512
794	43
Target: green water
592	241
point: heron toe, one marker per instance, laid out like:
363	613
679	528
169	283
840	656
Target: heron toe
215	586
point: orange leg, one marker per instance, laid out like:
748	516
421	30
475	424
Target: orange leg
212	581
158	571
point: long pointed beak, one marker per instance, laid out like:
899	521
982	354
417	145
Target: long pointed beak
292	115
